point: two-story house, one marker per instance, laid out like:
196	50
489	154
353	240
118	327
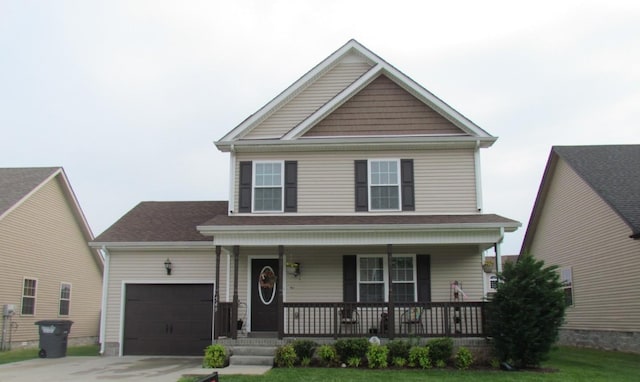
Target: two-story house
355	208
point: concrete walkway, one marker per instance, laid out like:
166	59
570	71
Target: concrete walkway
128	368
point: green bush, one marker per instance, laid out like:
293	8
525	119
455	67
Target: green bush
305	361
377	356
398	349
464	358
285	356
440	364
419	357
304	348
440	349
215	356
327	354
351	347
399	361
525	313
354	361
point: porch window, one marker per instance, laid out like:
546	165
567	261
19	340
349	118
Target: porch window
29	297
384	187
65	299
268	186
373	283
566	276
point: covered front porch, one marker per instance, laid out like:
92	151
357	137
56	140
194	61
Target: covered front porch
390	277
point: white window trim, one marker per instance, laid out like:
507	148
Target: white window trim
35	296
369	185
60	299
385	274
253	186
563	271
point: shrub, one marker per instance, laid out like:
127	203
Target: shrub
419	356
305	361
399	361
526	312
464	358
354	361
327	354
215	356
351	347
398	348
377	356
440	364
285	356
304	348
440	349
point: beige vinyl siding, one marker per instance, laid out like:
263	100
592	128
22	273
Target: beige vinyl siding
41	239
383	108
189	267
444	179
310	99
578	229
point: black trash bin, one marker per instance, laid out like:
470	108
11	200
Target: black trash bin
53	337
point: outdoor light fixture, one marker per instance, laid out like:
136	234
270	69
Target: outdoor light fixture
168	265
295	269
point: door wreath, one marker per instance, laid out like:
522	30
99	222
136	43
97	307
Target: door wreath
267	278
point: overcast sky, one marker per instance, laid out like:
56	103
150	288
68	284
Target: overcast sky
129	96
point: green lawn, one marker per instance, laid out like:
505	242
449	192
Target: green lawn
24	354
572	364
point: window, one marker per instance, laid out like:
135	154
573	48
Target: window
384	185
29	297
373	281
493	282
268	186
65	299
566	276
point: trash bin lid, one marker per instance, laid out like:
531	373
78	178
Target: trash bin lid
54	322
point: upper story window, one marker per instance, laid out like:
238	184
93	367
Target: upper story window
65	299
566	276
384	185
268	186
29	287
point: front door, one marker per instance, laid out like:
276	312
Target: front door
264	285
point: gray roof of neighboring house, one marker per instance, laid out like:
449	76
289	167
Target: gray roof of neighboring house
16	183
613	171
163	222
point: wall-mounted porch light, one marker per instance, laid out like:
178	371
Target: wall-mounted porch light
168	265
293	269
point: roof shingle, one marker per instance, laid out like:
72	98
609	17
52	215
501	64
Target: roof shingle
16	183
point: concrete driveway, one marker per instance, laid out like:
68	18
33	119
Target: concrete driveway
128	368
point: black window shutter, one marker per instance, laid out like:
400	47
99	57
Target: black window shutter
246	177
362	194
407	187
290	186
349	279
423	270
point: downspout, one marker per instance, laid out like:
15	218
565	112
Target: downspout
232	176
496	247
103	308
476	157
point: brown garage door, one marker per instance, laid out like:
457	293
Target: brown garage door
167	319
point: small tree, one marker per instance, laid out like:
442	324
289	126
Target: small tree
526	311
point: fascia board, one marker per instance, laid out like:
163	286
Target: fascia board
210	230
30	193
156	245
324	65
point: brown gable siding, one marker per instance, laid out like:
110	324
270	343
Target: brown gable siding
383	108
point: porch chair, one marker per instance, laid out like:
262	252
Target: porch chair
412	317
349	318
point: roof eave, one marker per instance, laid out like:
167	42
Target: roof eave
152	245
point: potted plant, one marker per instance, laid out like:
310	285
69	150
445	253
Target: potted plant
487	266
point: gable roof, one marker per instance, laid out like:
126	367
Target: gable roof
378	68
18	184
611	171
162	222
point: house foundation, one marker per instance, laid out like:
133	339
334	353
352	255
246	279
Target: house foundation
601	339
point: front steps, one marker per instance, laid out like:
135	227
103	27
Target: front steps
261	355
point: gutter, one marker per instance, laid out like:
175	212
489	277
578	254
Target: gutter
103	307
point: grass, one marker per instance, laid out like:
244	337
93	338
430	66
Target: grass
572	365
25	354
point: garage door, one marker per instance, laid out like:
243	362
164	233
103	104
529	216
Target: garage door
167	319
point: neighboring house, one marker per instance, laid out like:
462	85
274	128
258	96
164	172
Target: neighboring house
354	207
48	270
490	274
586	220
